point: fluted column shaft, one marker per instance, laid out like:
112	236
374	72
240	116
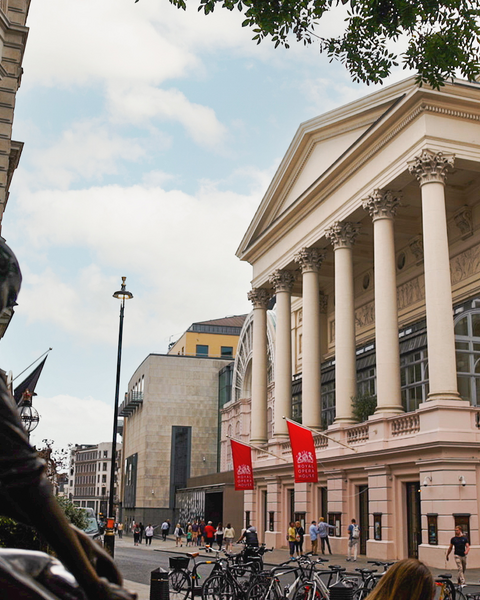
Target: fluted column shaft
342	235
382	208
310	260
282	282
430	169
258	429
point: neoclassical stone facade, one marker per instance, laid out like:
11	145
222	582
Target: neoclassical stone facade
369	239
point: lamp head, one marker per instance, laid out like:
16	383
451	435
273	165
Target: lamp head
123	294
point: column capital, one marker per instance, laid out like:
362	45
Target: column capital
431	166
310	259
282	280
259	297
382	205
342	234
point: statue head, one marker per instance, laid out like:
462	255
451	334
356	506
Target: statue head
10	277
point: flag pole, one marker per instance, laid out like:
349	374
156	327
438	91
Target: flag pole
324	435
256	448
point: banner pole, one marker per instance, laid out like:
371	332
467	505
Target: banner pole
229	437
324	435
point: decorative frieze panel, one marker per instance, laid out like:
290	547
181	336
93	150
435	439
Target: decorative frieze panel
411	292
463	220
365	315
465	265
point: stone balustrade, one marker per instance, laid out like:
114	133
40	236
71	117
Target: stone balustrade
408	424
358	434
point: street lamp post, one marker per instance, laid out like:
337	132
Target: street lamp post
109	538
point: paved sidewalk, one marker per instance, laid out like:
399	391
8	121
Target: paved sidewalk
276	557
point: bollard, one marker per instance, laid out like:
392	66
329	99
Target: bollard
159	585
342	590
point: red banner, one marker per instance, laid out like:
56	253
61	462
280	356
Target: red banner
303	450
242	466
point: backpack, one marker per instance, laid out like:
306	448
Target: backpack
356	532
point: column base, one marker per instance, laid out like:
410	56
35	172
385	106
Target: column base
259	442
444	396
341	421
392	409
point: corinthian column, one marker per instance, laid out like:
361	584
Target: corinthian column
342	235
310	260
282	282
430	169
259	297
382	209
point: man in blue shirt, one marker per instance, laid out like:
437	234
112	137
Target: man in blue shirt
322	533
313	537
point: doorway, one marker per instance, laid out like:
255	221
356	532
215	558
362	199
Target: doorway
214	507
363	517
414	523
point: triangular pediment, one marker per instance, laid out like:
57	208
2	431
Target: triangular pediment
317	147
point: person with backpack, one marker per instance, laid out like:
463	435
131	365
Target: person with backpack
178	535
353	539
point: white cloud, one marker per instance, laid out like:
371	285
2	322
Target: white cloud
69	420
178	249
86	151
143	103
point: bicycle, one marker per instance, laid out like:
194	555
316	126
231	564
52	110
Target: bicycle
226	582
183	582
267	586
449	591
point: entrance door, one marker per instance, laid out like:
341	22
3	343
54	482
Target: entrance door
414	524
363	517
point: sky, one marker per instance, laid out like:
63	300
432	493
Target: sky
151	135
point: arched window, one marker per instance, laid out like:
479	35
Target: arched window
467	347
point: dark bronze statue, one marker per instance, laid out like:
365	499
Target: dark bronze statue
26	494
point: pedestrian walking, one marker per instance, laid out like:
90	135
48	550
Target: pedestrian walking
201	533
136	534
462	548
408	579
149	530
229	536
178	533
189	535
322	533
299	535
195	528
164	529
291	538
120	531
314	537
142	529
219	533
209	533
353	539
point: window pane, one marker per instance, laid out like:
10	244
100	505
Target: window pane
202	350
461	328
226	350
464	346
463	362
476	324
464	387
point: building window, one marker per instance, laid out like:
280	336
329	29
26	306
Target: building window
328	404
104	479
414	379
467	345
297	408
226	351
366	382
202	350
105	453
104	466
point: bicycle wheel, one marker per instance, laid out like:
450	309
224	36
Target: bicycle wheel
218	587
263	589
178	584
309	591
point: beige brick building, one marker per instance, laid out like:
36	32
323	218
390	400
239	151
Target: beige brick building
171	414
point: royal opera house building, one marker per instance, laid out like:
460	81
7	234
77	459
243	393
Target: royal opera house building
368	239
